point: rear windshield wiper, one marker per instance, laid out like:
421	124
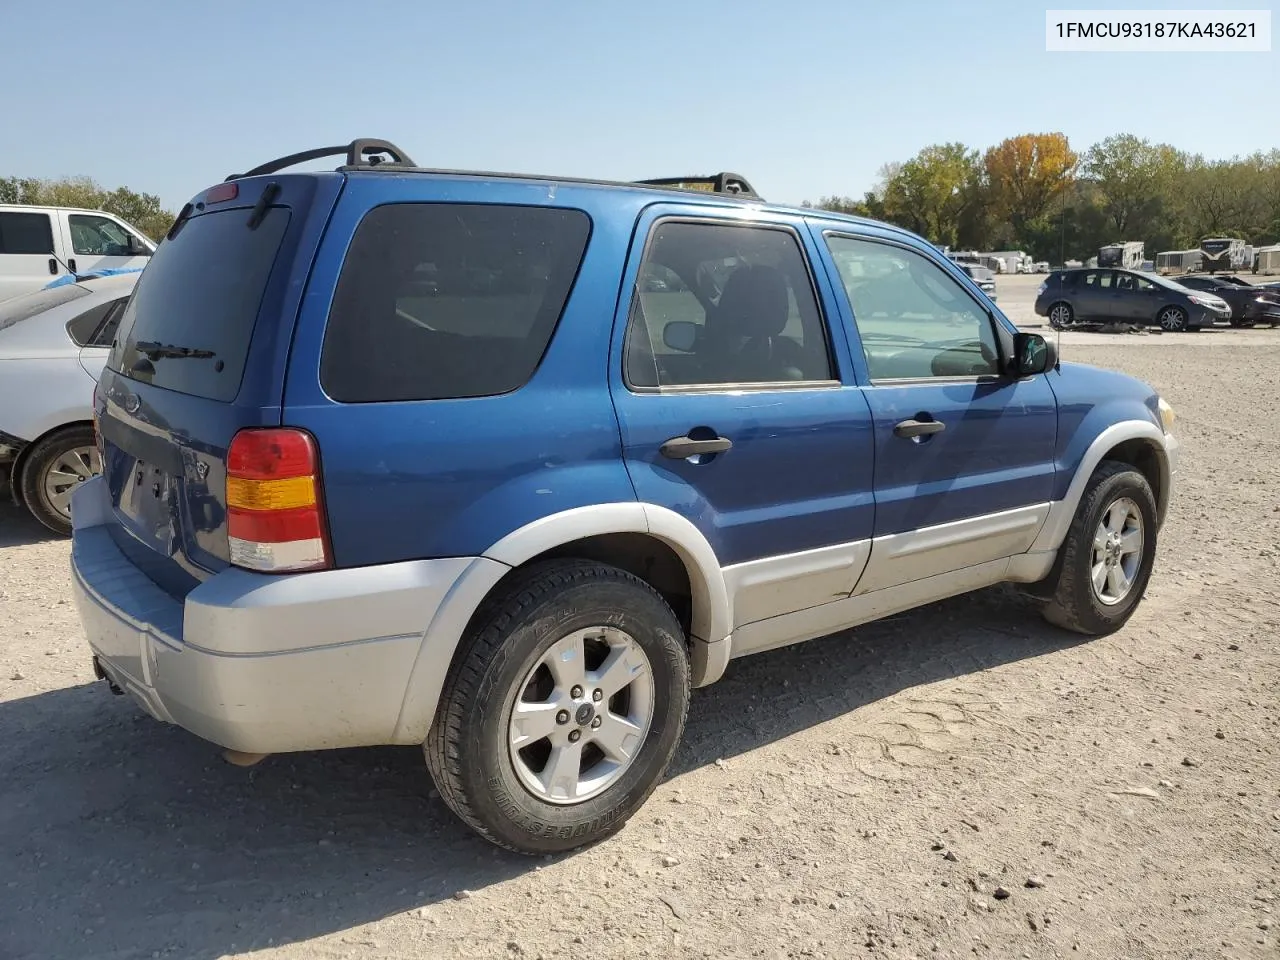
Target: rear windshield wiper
154	351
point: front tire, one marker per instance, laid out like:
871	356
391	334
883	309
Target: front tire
53	470
1108	554
562	709
1172	319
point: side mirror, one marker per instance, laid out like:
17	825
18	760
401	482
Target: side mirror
137	248
681	335
1033	354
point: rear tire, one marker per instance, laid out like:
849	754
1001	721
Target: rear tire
517	781
1061	316
1100	580
53	469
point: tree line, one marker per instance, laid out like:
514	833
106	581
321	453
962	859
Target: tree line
143	210
1035	193
1031	192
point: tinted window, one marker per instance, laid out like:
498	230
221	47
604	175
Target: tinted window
30	233
16	309
441	300
914	319
739	309
1143	284
96	327
97	236
201	290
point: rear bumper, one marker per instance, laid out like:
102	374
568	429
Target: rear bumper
258	663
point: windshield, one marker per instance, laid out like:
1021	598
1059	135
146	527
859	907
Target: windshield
17	309
189	323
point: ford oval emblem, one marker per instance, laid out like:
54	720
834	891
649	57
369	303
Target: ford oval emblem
132	403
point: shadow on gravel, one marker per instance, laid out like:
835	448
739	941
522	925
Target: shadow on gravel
17	526
125	838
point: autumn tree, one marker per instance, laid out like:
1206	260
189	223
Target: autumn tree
1027	175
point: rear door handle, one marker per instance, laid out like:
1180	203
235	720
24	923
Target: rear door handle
53	265
678	448
918	428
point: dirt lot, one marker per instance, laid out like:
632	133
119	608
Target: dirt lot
863	795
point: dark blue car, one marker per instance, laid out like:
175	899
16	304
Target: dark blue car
505	465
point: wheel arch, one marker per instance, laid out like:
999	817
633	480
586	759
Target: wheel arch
1139	443
654	543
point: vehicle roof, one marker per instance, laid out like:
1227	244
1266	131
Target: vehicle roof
32	207
665	194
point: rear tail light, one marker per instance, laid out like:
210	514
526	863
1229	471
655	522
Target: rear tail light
275	507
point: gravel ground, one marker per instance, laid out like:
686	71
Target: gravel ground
959	781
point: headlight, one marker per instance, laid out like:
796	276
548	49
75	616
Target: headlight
1167	416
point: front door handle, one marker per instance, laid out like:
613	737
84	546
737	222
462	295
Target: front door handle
918	428
71	264
678	448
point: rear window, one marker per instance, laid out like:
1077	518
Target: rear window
443	300
201	293
16	309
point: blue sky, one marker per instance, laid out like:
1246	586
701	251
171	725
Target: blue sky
805	99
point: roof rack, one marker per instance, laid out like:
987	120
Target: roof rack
734	183
363	153
368	153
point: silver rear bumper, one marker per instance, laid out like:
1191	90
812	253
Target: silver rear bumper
254	662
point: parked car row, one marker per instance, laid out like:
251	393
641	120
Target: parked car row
1079	297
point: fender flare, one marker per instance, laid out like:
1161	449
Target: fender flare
711	615
1056	525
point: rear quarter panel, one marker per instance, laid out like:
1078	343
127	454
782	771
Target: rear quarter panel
38	395
434	478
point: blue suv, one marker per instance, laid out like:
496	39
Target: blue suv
505	465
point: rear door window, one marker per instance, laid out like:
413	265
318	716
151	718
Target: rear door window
190	320
26	233
737	307
440	300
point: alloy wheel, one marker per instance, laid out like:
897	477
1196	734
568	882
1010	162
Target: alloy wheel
581	715
1117	551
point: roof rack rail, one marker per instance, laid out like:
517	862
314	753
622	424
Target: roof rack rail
359	153
734	183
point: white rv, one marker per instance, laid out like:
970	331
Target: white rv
1226	254
1126	256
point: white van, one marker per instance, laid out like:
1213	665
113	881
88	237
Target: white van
40	244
